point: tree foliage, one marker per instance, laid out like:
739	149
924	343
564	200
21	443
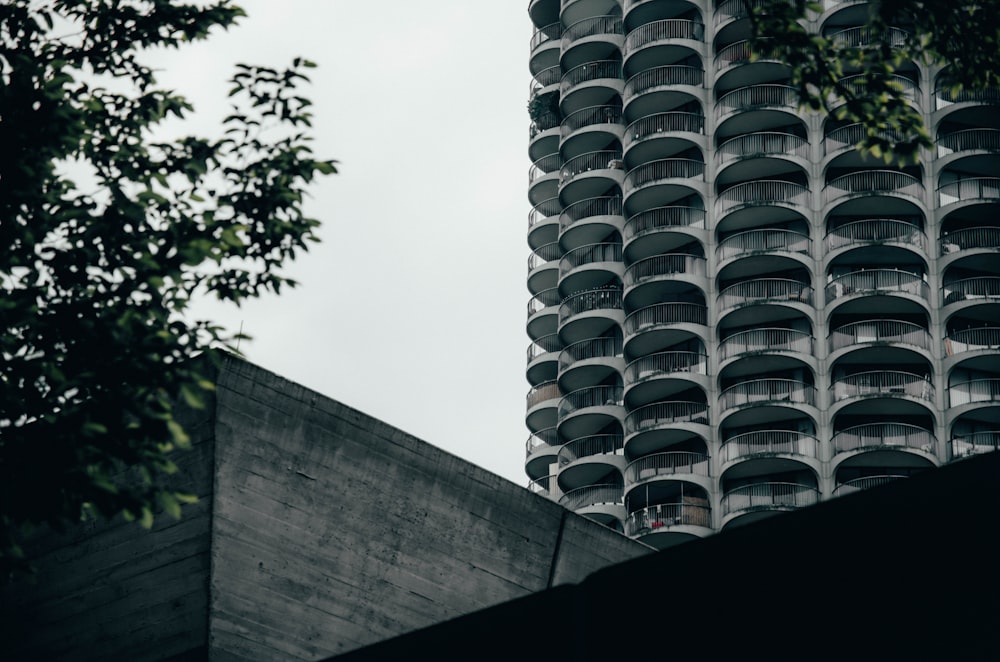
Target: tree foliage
106	234
962	37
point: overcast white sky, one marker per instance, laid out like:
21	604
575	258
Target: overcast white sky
412	308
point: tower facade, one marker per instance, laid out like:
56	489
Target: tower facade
733	313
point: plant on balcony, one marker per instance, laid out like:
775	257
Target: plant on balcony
543	109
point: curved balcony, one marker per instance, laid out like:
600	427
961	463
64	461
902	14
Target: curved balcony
679	521
542	311
974	391
764	240
584	499
545	345
600	257
875	231
541	404
764	341
946	95
857	84
543	269
965	239
774	496
545	35
589	447
764	192
969	140
765	290
863	36
881	384
865	483
656	171
768	443
976	288
610	70
666	314
586	350
659	124
742	52
876	281
586	411
661	31
545	77
543	226
589	301
852	135
540	452
590	220
975	443
762	143
541	364
972	339
873	182
734	10
767	391
590	396
608	118
756	97
969	189
600	160
665	414
662	219
665	363
596	26
879	331
669	265
664	77
669	463
544	486
544	166
880	435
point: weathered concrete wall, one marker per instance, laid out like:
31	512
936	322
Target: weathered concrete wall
114	591
333	530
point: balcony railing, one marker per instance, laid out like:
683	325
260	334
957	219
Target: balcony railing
664	265
765	290
673	312
544	345
732	10
600	160
874	435
866	483
664	363
672	28
762	143
543	255
763	240
666	515
872	182
877	281
763	340
752	97
741	52
590	396
591	116
543	166
545	437
663	218
880	331
876	231
852	135
598	444
590	71
661	77
592	348
761	391
589	208
946	95
543	485
593	495
664	169
969	139
660	123
978	287
592	27
970	238
974	390
766	442
545	77
542	300
883	383
858	85
975	443
665	464
544	34
543	211
542	392
589	254
590	300
860	37
768	496
967	340
665	413
969	188
761	193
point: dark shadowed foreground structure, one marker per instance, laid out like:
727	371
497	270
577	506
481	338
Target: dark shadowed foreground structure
910	570
318	530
